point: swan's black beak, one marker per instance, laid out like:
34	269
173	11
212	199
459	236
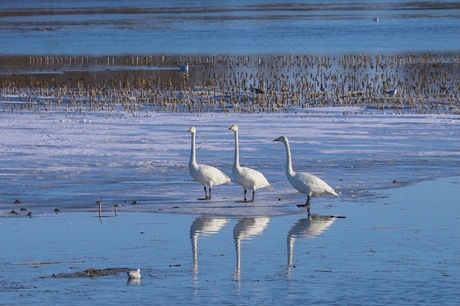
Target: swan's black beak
277	139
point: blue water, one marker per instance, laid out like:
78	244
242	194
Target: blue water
401	251
236	27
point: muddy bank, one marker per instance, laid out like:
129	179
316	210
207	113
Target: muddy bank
91	272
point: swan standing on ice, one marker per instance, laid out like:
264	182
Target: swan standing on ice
208	176
304	182
134	274
246	177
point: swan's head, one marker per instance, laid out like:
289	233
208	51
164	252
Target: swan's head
192	130
233	128
282	139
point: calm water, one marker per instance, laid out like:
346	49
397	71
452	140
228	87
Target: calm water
400	251
239	27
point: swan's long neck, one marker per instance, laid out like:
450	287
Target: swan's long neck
236	162
192	151
289	170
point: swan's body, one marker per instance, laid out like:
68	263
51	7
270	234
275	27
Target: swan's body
208	176
248	178
304	182
134	274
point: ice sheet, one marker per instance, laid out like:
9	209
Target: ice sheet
70	160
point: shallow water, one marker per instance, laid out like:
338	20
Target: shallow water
241	27
401	250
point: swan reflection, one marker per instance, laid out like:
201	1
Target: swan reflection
134	281
245	229
307	228
203	227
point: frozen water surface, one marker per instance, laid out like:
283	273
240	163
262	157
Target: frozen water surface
70	160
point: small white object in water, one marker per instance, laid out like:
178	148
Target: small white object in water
134	274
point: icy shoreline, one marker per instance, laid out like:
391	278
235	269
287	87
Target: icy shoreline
69	161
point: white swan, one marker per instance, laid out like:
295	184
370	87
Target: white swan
246	177
134	274
208	176
304	182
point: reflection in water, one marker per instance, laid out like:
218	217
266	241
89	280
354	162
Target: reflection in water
306	228
134	281
245	229
203	227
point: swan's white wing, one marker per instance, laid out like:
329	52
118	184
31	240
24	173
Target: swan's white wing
250	178
310	184
209	175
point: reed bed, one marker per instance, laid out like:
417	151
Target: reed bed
221	83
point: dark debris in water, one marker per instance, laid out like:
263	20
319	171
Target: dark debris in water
91	272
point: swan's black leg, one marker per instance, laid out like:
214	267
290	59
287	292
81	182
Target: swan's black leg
206	194
244	197
253	195
306	205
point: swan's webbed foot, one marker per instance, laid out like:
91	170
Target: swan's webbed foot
306	205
